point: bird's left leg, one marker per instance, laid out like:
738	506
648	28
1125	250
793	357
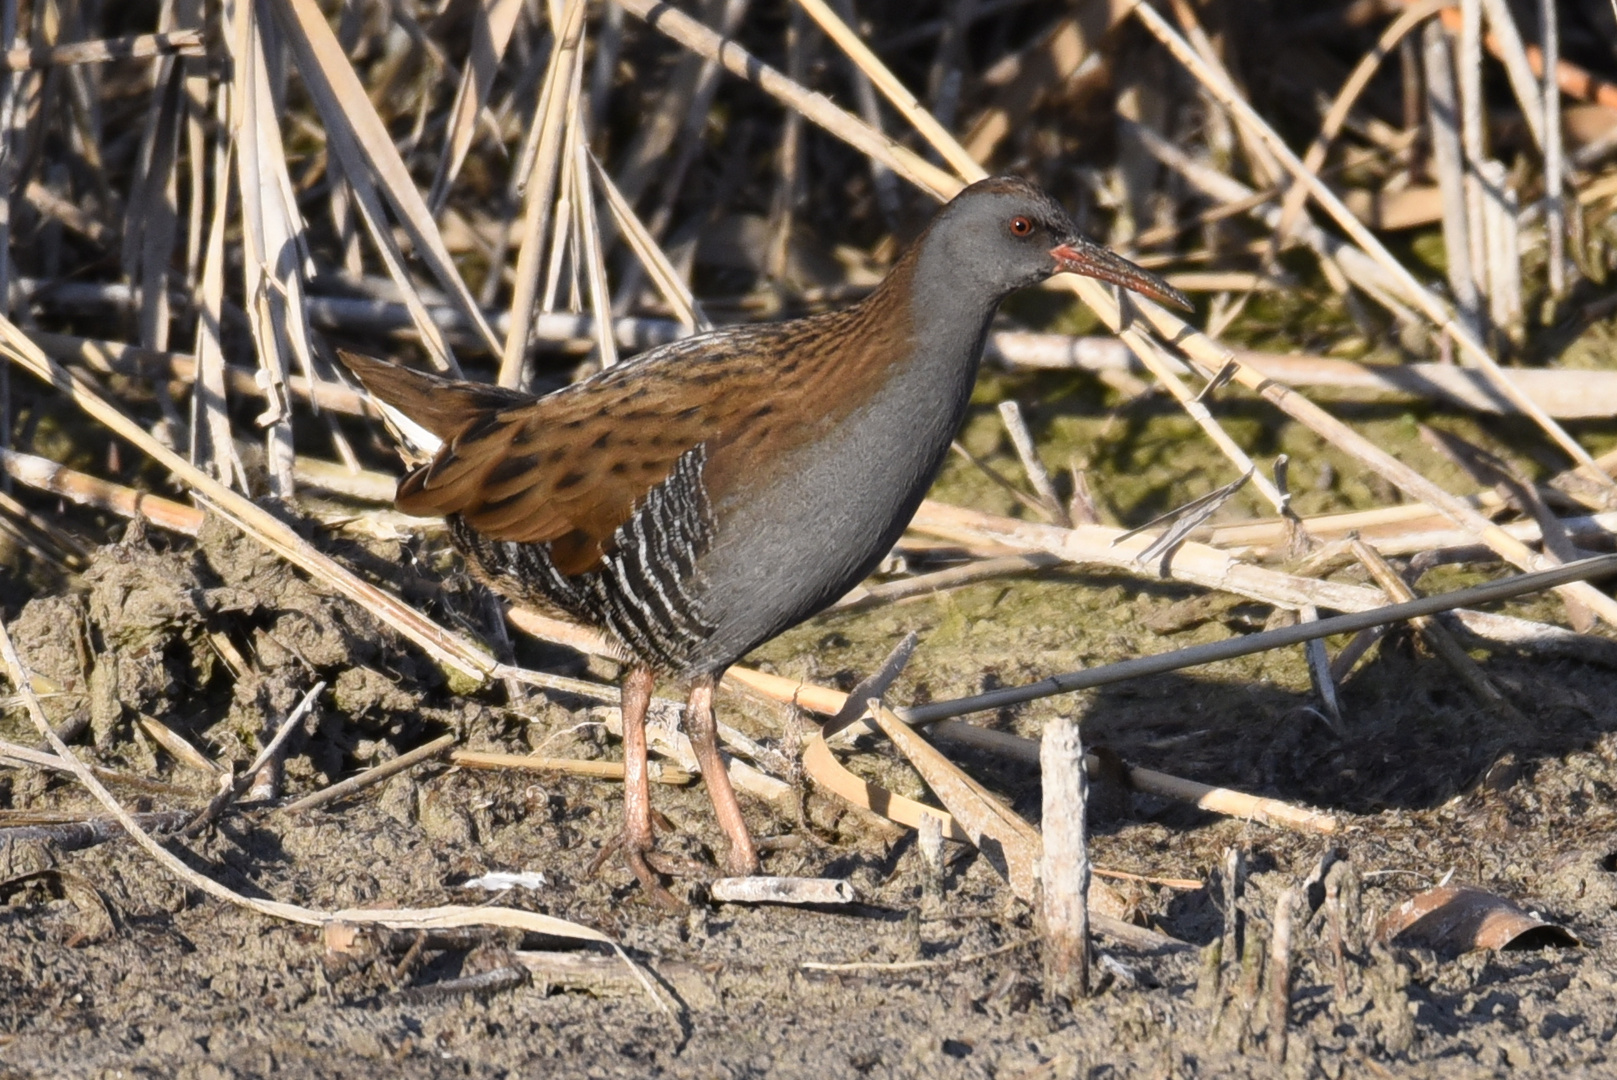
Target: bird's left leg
703	730
636	839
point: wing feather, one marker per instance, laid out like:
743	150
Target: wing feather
569	469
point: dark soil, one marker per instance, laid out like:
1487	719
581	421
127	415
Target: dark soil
108	967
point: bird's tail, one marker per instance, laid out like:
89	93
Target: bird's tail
424	411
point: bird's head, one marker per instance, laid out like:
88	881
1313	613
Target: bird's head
1008	234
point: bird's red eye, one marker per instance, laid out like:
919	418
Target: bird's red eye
1021	226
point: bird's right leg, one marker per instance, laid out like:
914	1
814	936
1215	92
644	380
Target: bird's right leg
702	727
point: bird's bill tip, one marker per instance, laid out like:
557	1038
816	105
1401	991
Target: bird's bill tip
1092	260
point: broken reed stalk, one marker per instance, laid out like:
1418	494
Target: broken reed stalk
544	177
600	770
12	754
1160	363
929	844
651	256
1322	676
88	831
668	740
46	475
1468	65
1097	545
1013	846
1501	210
136	47
761	889
1234	888
1333	916
1064	870
942	962
232	788
922	586
263	777
178	748
1520	585
371	776
1554	197
1217	800
1448	159
1038	476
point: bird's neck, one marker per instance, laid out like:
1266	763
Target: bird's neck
946	312
892	378
905	355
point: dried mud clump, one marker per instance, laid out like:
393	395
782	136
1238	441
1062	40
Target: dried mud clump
50	638
155	626
147	620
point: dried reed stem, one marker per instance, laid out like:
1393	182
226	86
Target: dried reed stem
600	770
135	47
1554	198
1522	584
815	107
1448	158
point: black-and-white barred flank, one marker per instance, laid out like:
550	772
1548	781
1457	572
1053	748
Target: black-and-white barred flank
646	592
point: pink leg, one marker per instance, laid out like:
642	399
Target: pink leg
703	730
637	841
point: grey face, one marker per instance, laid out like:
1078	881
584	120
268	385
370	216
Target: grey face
1008	234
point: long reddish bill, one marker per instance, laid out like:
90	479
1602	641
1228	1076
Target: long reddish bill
1091	260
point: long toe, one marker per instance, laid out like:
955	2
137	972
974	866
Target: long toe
647	877
678	866
638	855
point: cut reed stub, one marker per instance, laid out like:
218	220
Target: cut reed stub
760	889
1064	869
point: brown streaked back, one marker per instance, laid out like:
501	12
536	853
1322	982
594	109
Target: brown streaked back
570	468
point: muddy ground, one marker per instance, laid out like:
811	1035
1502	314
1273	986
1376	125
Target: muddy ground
109	967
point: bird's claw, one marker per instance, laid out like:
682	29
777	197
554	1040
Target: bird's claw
640	856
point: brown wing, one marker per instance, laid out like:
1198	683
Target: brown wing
557	471
567	469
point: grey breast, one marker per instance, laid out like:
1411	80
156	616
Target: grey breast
783	552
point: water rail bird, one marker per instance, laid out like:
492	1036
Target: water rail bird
699	499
